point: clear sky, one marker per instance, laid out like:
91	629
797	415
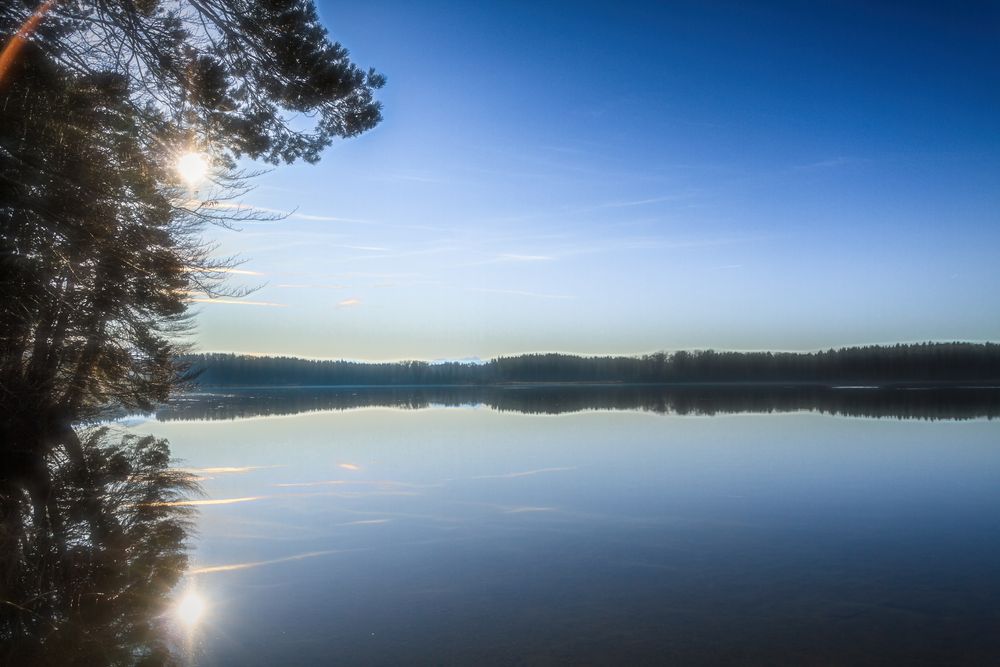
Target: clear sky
625	178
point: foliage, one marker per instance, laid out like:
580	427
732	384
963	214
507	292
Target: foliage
94	257
253	78
100	245
100	251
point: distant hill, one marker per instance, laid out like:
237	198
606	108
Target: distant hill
922	363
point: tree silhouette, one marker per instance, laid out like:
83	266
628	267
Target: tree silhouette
100	250
85	569
927	363
99	241
255	78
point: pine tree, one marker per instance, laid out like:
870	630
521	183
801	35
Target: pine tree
100	243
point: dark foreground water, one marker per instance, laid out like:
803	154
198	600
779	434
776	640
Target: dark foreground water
479	534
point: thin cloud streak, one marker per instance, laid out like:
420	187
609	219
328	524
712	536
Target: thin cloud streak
222	269
508	257
238	302
294	214
825	164
656	243
246	566
525	473
515	292
219	470
241	272
617	245
308	286
400	255
524	510
284	214
200	503
350	482
640	202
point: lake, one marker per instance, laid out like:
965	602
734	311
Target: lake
590	526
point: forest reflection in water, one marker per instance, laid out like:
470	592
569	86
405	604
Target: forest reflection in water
488	536
901	402
392	536
89	555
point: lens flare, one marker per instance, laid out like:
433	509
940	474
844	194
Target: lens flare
11	50
192	168
190	608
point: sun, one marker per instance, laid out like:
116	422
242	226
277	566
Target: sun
189	609
192	168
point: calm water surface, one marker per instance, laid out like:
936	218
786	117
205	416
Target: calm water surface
467	535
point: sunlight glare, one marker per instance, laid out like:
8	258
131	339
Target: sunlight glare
190	608
192	168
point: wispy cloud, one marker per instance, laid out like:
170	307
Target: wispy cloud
241	272
308	286
571	250
417	178
510	257
641	202
370	248
219	470
223	269
238	302
370	274
516	292
569	150
524	473
433	250
660	243
348	303
200	503
383	483
668	244
829	163
326	482
249	209
246	566
329	218
505	258
280	215
523	510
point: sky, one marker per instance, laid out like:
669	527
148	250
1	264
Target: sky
622	178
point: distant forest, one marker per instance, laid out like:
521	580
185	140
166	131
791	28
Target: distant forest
873	364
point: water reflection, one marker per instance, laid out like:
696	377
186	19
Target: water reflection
597	537
956	402
89	556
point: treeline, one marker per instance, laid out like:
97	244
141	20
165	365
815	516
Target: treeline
873	364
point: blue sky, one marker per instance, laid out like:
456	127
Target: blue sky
625	178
